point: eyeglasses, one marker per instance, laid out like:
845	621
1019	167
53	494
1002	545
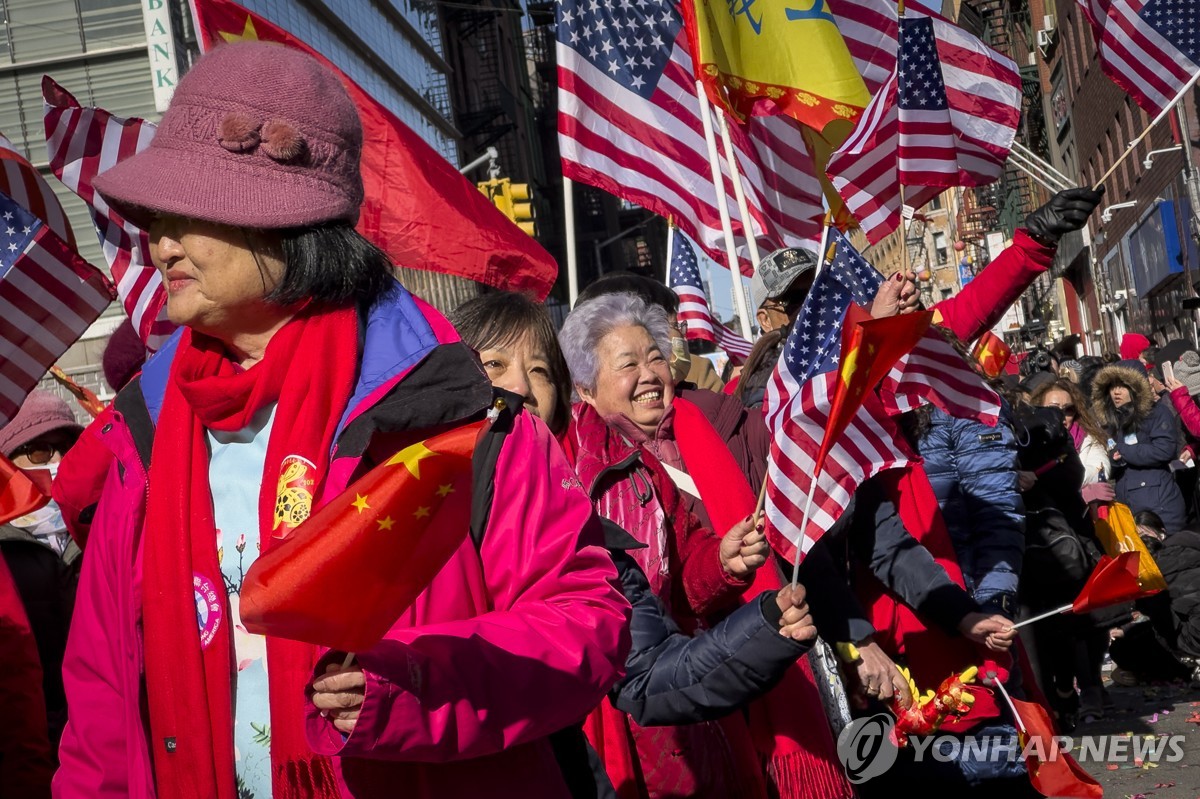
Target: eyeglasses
37	453
682	326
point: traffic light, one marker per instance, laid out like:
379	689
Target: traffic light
514	200
520	207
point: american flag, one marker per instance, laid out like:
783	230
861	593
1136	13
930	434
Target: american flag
800	392
82	143
21	181
1148	49
961	136
48	298
797	407
693	303
629	122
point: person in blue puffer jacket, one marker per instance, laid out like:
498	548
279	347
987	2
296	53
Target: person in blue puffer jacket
974	473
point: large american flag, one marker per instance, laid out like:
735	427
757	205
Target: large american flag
1149	49
21	181
693	303
629	122
943	115
48	298
800	393
82	143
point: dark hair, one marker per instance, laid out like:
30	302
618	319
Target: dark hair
331	264
1083	410
1148	518
503	318
648	289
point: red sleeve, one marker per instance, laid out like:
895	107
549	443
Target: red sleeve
707	588
1189	412
80	479
983	301
25	763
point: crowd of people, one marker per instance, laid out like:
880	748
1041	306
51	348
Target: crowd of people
620	626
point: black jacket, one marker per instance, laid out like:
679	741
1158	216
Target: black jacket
1179	561
672	678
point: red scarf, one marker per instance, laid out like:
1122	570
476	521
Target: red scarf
788	724
189	684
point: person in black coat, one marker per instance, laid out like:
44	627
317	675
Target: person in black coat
1144	439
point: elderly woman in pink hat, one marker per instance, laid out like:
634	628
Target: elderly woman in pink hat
300	362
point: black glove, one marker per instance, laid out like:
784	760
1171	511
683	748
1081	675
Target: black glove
1067	211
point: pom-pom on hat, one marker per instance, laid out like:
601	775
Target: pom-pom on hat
258	135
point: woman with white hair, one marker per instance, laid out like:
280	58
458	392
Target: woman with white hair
639	474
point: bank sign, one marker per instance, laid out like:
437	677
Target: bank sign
160	43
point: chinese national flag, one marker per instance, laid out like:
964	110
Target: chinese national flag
870	348
86	398
992	354
345	574
418	208
18	494
1051	771
763	57
1114	580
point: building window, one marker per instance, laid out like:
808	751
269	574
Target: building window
939	245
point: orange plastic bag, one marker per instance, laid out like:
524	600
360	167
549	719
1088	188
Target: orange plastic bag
1118	533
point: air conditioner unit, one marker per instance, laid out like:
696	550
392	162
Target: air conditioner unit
1045	38
1048	22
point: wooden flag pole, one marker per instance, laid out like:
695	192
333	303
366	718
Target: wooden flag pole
812	489
1166	110
718	180
347	660
670	248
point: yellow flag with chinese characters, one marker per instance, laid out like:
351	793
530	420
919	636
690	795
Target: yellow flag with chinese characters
763	57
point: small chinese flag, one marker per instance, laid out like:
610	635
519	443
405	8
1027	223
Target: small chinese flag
870	348
1052	772
1114	580
345	574
992	354
18	494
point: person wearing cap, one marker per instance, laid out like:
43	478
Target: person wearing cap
300	362
36	549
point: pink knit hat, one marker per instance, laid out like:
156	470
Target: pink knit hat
258	135
41	413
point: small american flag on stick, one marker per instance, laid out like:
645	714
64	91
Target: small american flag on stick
693	303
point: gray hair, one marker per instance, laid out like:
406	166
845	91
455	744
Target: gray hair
593	320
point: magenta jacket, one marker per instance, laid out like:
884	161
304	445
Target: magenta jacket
510	642
1189	412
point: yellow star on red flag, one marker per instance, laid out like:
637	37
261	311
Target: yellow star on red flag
411	457
248	34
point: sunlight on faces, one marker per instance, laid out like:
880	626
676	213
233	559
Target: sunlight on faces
1120	395
214	281
633	379
522	368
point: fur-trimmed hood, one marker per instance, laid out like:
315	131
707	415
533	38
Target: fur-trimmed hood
1138	385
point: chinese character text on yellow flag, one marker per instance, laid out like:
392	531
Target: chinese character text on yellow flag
761	57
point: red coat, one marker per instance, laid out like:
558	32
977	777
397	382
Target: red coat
25	762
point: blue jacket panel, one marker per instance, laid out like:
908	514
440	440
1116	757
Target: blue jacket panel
1144	477
973	470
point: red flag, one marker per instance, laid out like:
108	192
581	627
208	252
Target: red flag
1051	771
418	208
344	575
18	494
992	353
870	348
1114	580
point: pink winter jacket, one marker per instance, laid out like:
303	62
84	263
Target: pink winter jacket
510	643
